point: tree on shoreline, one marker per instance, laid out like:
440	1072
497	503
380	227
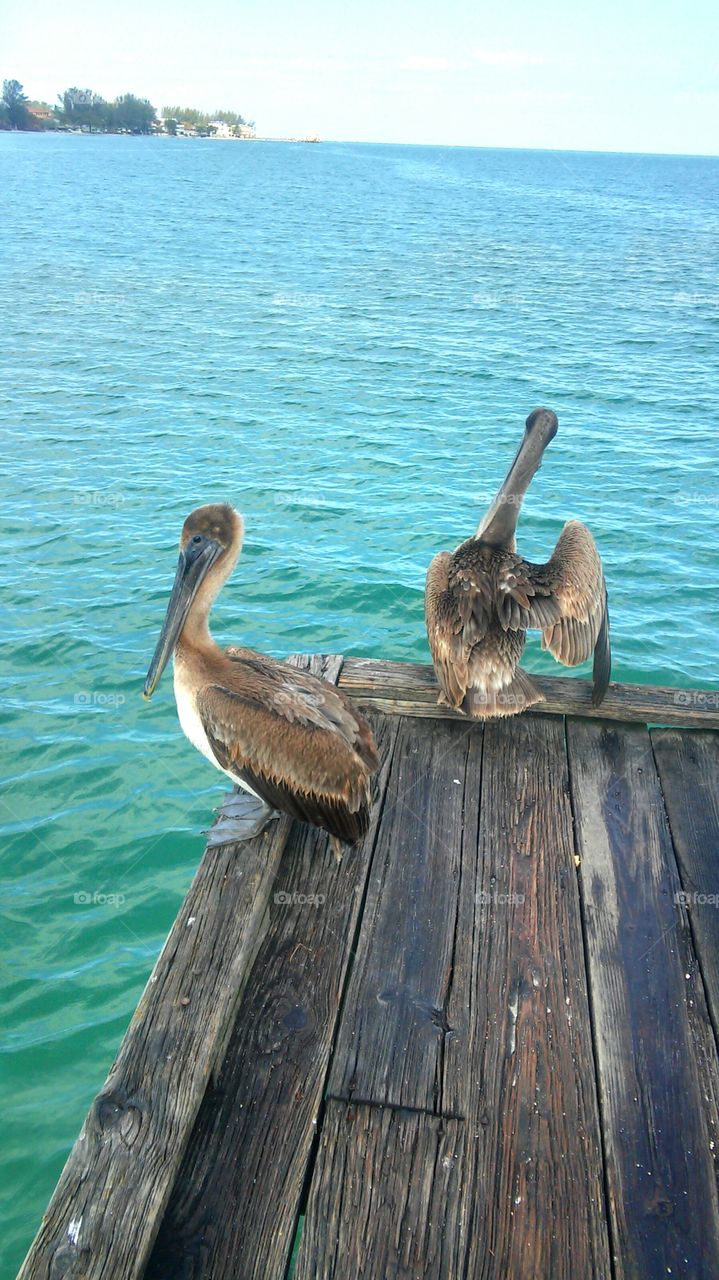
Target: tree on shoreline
83	109
201	119
86	110
136	115
14	105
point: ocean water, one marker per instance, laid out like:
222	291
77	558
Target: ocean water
344	342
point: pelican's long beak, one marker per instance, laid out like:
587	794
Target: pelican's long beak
500	522
192	569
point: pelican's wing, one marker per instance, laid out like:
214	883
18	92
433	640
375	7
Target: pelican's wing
295	740
566	599
457	612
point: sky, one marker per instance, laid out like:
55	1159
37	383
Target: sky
606	75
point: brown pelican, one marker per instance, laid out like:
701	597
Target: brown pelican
481	600
289	739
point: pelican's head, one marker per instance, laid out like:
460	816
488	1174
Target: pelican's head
210	543
541	426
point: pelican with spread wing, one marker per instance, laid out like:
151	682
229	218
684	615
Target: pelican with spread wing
291	741
481	600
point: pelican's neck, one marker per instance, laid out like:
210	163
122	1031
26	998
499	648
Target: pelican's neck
499	523
196	631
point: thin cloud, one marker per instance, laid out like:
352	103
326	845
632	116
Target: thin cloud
508	58
423	62
503	58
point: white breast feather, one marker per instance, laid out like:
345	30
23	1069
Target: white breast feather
194	729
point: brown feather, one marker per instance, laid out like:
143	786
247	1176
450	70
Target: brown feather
481	600
296	740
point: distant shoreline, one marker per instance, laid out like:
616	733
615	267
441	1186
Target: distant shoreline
126	133
419	146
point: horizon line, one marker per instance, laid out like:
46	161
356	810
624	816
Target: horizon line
372	142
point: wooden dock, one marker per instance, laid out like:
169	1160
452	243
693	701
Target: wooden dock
483	1045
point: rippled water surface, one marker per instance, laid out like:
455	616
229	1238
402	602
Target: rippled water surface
344	341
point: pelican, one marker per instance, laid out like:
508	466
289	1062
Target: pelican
291	741
481	600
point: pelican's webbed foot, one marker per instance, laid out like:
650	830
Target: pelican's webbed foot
242	817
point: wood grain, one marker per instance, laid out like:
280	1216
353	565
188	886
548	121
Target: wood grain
105	1211
384	1201
392	1038
688	766
410	688
532	1194
236	1201
656	1054
414	1054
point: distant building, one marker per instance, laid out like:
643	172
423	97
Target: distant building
224	130
221	129
214	129
41	113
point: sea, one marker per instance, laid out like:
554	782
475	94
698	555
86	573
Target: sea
343	341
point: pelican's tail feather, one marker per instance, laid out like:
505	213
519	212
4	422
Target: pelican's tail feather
518	695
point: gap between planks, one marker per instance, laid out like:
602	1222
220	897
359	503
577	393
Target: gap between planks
654	1046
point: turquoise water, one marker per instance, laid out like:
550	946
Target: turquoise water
344	341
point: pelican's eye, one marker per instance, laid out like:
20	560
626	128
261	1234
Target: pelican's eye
195	547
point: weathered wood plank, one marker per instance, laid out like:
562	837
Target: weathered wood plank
236	1200
410	688
106	1208
532	1193
384	1200
391	1040
688	766
655	1049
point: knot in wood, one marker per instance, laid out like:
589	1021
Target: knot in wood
661	1205
114	1112
68	1261
440	1020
